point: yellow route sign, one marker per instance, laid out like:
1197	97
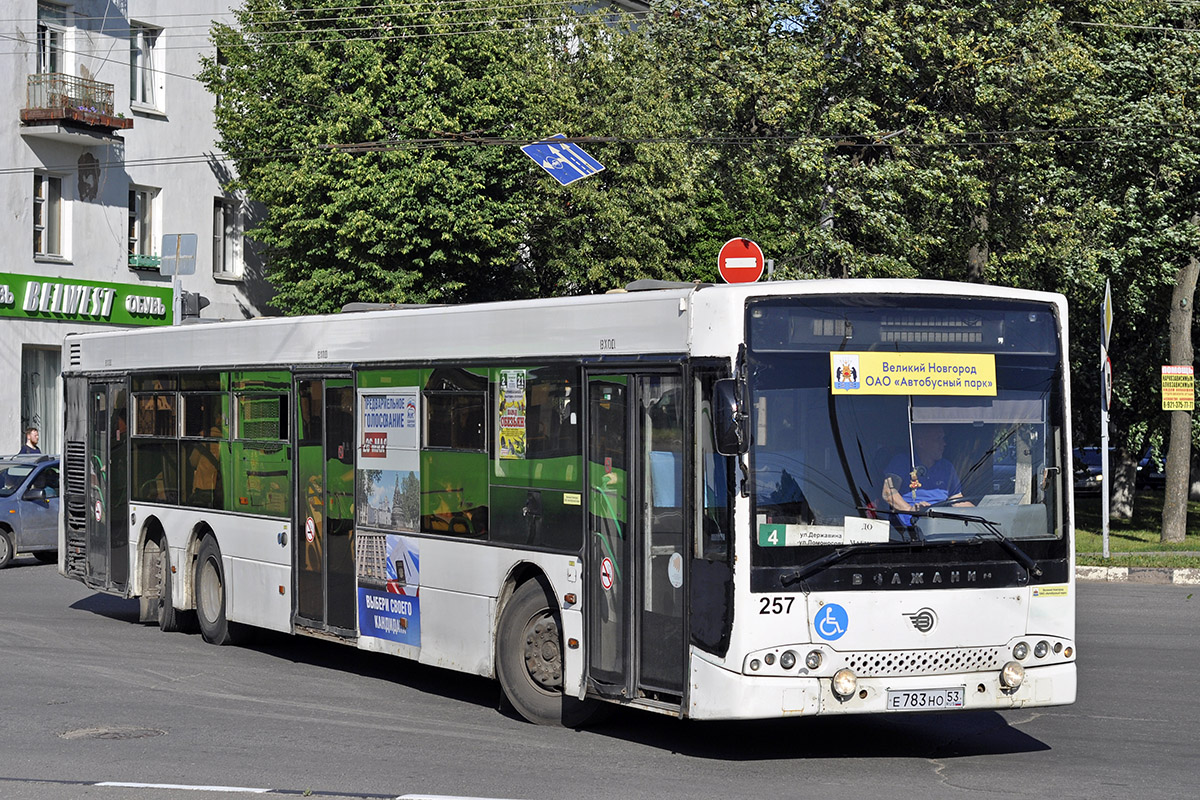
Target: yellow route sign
1178	388
877	372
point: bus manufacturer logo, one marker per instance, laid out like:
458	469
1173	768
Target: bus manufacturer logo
923	620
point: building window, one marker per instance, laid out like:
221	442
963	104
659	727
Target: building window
47	215
141	224
40	368
51	25
226	235
145	73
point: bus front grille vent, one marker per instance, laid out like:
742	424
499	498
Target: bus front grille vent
924	662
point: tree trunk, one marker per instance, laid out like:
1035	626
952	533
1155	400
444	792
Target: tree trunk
1194	485
1179	448
1123	467
977	254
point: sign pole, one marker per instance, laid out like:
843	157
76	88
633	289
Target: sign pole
1105	400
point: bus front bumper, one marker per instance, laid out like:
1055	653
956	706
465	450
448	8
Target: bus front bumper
718	693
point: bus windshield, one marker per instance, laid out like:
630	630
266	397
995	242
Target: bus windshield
902	420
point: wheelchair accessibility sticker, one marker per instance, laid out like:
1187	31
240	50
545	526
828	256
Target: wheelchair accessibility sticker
831	622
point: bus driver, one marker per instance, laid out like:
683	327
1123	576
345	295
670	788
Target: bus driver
924	479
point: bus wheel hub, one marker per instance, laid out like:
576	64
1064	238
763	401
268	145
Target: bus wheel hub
543	657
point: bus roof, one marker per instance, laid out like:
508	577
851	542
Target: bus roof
661	321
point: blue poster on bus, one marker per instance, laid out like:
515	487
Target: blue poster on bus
389	585
395	617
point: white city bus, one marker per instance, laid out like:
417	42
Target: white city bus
683	498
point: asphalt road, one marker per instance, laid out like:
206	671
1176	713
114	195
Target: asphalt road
88	695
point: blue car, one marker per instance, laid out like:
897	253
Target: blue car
28	507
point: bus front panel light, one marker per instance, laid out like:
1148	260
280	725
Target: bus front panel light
813	659
769	658
1020	651
788	659
1012	676
1041	649
754	664
844	683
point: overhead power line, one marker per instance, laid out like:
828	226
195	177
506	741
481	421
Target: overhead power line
997	139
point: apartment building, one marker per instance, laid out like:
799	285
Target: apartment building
111	188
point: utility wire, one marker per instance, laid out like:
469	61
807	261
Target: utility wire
462	140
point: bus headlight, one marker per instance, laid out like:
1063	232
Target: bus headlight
813	659
845	682
787	660
1020	651
1041	649
1012	676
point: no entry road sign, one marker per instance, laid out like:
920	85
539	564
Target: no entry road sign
740	261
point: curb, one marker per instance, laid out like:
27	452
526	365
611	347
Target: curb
1160	575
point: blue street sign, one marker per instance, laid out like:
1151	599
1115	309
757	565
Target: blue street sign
565	161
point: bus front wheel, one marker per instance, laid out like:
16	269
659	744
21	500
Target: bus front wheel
210	593
529	661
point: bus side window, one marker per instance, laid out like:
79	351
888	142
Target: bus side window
454	457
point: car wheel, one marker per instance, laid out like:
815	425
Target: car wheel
6	549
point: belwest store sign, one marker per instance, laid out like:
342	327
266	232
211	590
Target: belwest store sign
41	298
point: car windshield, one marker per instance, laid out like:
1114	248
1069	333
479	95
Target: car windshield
861	412
11	477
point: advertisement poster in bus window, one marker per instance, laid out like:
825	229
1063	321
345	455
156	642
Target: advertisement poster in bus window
389	464
389	587
512	413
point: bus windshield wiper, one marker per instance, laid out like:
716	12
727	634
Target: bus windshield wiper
841	553
1019	555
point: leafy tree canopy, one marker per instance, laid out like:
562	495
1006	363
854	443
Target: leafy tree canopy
1046	144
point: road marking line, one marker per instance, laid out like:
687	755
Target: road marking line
128	785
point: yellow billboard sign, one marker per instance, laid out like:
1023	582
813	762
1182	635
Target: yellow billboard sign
1178	388
945	374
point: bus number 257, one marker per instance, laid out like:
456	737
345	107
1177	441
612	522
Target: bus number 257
776	605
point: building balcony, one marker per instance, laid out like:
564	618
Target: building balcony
141	261
59	106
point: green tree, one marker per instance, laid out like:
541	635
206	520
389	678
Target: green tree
350	125
1143	171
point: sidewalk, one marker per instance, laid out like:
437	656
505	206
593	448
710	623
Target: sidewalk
1183	577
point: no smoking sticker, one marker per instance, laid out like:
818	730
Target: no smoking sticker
606	573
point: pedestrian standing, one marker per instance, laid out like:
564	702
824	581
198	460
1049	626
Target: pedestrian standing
31	441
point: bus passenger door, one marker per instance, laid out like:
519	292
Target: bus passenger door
636	544
325	582
107	490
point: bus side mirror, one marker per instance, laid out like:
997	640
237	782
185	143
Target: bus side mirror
729	431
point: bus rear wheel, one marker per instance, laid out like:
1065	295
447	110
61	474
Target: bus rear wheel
156	604
529	661
210	594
